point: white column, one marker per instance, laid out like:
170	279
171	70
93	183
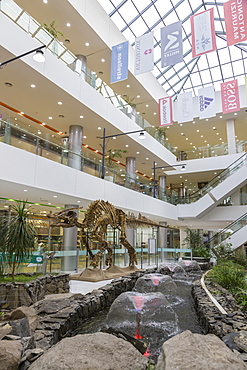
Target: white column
162	239
69	263
130	169
182	236
231	140
75	146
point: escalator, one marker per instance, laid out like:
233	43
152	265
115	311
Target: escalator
234	234
219	188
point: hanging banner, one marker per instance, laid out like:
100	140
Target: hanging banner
230	96
185	107
119	62
206	102
203	33
165	111
171	44
235	12
144	56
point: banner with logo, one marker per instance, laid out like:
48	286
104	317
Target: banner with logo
171	44
165	111
235	13
185	107
230	96
203	33
119	62
206	102
144	56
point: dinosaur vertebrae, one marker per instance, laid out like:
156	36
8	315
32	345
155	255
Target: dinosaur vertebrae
98	216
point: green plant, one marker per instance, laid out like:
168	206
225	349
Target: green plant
52	29
193	239
223	251
17	235
111	154
160	133
201	251
240	258
241	298
229	275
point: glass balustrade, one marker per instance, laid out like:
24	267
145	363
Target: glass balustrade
91	164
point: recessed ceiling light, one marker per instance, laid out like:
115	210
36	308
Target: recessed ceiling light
54	196
220	138
114	137
214	128
25	190
127	145
127	85
235	114
206	119
84	137
81	116
43	124
138	96
78	201
137	152
15	119
45	1
217	133
147	158
39	132
87	43
59	103
33	85
21	112
68	24
102	60
201	135
155	113
50	117
181	124
193	122
147	105
99	128
220	116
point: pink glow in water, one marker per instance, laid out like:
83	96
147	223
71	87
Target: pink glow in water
155	280
138	302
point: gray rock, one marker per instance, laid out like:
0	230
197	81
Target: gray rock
188	351
98	351
20	327
10	354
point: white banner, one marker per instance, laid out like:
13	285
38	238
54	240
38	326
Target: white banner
144	55
165	111
171	44
203	33
185	107
206	102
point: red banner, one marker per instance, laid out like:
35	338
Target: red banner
203	33
165	111
230	96
235	12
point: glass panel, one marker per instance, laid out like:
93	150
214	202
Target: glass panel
10	8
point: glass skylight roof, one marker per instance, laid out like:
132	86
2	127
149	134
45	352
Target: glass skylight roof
137	17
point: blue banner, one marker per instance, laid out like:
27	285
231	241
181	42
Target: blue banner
119	62
171	44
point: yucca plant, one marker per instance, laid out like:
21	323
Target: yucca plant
17	235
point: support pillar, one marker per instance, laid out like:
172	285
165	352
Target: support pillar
162	240
231	140
75	146
182	234
80	65
69	261
130	170
162	187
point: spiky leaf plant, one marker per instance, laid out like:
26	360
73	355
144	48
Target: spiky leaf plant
17	235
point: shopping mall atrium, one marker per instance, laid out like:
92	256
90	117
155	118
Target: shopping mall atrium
70	136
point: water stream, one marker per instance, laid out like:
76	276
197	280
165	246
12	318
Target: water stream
159	307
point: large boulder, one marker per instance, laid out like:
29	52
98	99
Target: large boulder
5	329
98	351
188	351
10	354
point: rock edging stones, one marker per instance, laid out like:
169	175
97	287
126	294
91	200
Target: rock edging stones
230	327
13	295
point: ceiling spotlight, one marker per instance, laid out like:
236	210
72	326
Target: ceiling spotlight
39	56
183	168
141	136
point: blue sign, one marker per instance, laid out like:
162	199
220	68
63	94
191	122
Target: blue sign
119	62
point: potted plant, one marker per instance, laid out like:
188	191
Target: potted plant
52	29
18	234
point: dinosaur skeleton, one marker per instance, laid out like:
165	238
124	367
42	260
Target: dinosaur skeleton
98	216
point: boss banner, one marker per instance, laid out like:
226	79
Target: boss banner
230	96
